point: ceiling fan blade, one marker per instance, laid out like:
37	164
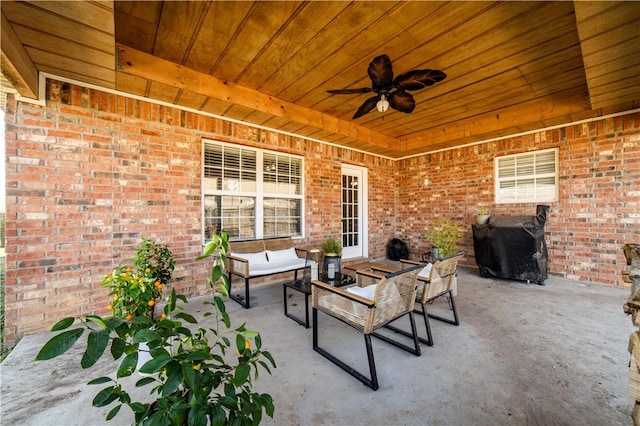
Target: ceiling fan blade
381	73
349	91
402	101
367	106
418	79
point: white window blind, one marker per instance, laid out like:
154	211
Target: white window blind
529	177
251	193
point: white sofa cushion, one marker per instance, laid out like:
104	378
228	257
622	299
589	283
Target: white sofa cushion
282	255
275	267
258	258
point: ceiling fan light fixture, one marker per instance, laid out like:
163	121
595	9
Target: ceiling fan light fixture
383	104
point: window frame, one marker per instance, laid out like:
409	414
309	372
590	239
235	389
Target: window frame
539	195
259	194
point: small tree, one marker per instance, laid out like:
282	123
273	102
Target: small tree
189	371
444	234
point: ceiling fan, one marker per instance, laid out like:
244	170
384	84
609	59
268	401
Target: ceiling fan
391	92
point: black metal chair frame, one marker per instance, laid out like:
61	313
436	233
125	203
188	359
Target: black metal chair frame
423	303
372	380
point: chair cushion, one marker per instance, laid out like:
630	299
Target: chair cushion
367	292
282	255
258	258
426	273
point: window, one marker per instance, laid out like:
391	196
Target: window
525	178
251	193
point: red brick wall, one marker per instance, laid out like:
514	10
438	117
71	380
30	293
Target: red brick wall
599	201
92	172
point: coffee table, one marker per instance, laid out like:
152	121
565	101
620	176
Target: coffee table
304	287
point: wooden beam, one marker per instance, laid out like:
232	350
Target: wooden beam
134	62
561	104
17	66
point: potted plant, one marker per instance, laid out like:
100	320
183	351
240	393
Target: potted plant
444	235
136	289
190	374
482	215
332	249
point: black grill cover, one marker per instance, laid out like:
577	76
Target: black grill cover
513	247
397	249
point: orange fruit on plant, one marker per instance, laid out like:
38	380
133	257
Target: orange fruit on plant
128	317
152	302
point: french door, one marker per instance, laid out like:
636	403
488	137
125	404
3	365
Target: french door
354	212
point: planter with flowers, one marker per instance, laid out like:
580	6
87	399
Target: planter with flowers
190	374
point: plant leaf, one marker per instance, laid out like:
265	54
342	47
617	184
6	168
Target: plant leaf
174	378
97	320
105	397
117	347
59	344
113	412
241	374
189	375
188	318
62	324
144	381
96	344
100	380
145	335
128	365
155	364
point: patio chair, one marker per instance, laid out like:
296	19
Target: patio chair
435	281
374	302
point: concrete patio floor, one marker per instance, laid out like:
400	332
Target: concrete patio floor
523	355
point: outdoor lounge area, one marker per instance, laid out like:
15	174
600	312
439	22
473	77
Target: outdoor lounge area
523	355
138	133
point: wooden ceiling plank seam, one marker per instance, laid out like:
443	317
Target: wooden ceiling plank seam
72	48
175	31
56	41
93	14
30	16
71	65
265	47
453	24
214	37
326	42
610	16
618	50
263	20
490	53
197	29
315	17
238	30
527	44
134	31
341	59
614	36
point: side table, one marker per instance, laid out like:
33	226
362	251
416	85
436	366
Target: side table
304	287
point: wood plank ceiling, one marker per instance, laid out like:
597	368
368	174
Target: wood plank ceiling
511	66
